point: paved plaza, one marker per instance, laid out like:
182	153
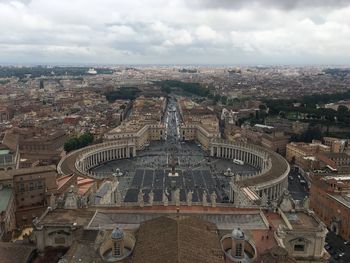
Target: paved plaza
197	171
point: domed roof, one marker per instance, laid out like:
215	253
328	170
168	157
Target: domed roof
237	233
117	233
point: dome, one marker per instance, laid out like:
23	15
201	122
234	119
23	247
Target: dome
117	233
237	233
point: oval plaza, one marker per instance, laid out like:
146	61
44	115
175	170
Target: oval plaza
171	160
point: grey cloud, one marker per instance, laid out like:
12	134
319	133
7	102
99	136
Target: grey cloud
109	31
279	4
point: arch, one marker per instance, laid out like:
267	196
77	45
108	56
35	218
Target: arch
335	226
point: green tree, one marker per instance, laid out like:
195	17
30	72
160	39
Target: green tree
262	107
224	100
342	109
78	142
166	89
313	133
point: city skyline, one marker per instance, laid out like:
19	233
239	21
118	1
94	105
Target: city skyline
176	32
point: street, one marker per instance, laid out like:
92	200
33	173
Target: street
339	251
297	185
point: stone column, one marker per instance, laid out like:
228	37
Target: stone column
40	239
280	189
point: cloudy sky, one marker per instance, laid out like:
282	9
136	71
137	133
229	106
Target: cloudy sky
175	31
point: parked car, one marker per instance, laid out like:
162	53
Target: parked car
339	255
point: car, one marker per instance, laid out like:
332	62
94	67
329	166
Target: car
236	161
339	255
347	242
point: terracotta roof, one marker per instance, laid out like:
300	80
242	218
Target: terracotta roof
18	253
61	181
11	140
177	239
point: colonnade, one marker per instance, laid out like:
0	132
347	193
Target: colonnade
273	191
267	181
97	154
261	159
247	153
86	161
255	159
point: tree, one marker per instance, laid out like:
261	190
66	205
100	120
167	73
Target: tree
124	93
166	89
262	107
78	142
216	98
224	100
313	133
342	109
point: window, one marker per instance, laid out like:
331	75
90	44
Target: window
238	250
40	185
21	187
116	249
299	247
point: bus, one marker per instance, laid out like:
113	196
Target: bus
236	161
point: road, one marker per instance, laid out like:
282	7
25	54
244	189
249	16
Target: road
297	189
172	121
337	246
